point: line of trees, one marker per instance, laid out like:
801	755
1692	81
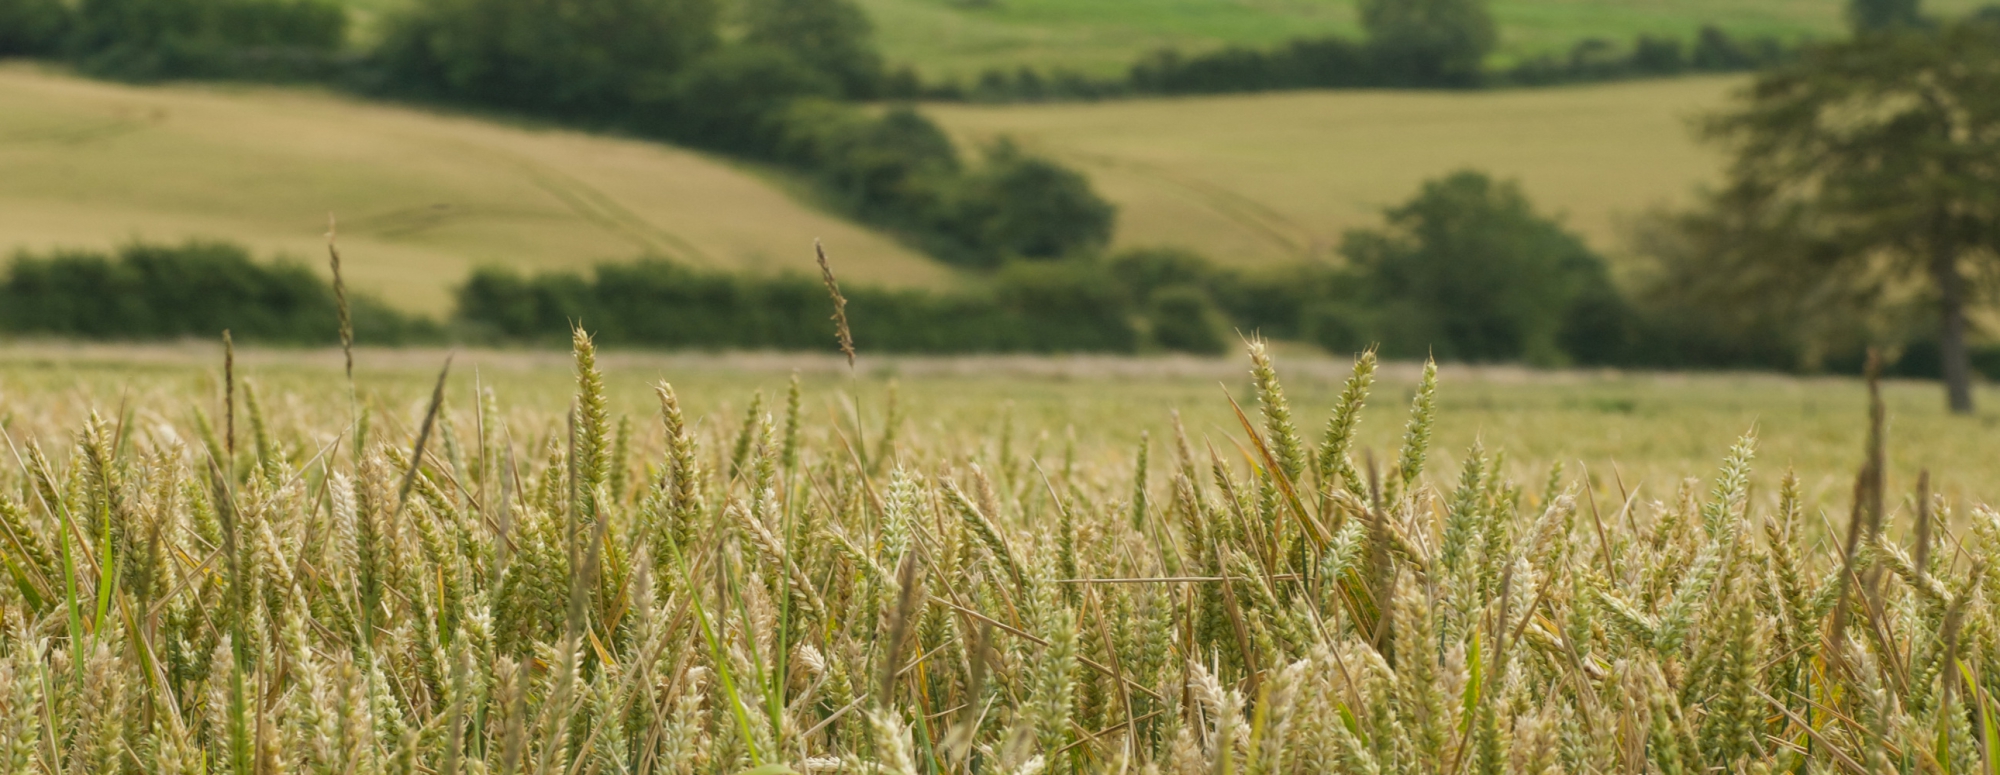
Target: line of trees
1334	62
1465	270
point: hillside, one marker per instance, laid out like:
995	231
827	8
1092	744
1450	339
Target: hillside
959	38
1267	178
421	198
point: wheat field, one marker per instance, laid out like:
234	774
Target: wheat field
1271	178
421	197
256	564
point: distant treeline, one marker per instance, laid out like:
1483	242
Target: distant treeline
1334	62
1465	271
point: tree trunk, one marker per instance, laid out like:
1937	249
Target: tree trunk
1951	339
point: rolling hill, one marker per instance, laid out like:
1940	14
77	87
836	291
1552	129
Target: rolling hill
1275	177
421	197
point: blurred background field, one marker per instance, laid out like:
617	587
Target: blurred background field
1646	430
422	198
1274	178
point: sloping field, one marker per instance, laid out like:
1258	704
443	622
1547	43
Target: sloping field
421	198
1275	177
962	37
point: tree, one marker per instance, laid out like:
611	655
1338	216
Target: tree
1022	206
833	37
1873	15
1467	269
1878	162
157	38
577	59
1429	42
31	27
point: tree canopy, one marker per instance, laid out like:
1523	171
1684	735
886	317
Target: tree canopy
1429	42
833	37
1872	15
555	56
1468	270
1866	179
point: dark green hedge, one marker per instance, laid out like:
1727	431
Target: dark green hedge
192	290
1335	62
1036	307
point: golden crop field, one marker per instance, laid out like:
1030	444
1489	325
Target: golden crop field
421	197
1277	177
645	564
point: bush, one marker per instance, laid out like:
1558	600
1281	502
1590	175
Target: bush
32	27
196	289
